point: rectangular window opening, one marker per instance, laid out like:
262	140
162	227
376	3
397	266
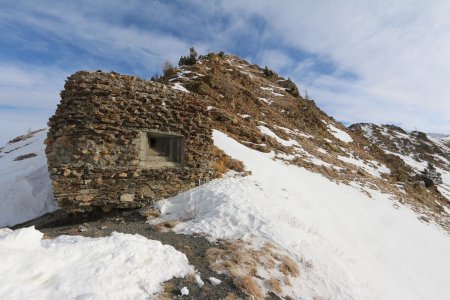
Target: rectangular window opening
160	150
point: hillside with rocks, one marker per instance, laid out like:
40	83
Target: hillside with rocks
302	207
266	113
418	150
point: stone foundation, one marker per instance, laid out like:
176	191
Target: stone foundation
117	141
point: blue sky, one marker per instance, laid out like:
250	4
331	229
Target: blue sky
362	61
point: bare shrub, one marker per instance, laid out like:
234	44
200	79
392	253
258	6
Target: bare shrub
168	69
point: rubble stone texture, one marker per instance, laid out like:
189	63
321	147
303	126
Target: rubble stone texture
118	141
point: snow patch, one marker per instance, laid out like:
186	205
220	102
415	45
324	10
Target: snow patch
339	134
184	291
215	281
121	266
178	86
287	143
265	100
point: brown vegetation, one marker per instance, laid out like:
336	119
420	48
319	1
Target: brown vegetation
249	285
242	261
223	163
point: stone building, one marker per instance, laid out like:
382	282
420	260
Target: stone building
118	141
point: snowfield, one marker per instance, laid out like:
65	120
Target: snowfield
121	266
360	242
25	186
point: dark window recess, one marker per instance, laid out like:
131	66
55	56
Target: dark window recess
152	142
164	148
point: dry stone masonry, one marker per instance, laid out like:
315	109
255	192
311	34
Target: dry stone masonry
118	141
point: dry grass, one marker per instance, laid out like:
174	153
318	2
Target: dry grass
248	285
275	285
242	262
165	226
223	162
167	293
190	278
289	267
231	296
46	237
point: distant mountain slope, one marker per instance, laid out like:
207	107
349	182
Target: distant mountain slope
25	186
438	135
415	148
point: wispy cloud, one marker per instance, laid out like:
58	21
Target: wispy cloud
373	61
398	52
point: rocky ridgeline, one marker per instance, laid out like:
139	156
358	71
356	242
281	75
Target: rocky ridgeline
94	144
417	145
265	112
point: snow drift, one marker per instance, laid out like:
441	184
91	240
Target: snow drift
121	266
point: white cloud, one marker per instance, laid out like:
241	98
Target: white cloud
276	59
399	51
102	36
28	97
30	87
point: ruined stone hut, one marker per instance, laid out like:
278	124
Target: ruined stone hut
118	141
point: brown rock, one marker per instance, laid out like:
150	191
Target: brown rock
127	197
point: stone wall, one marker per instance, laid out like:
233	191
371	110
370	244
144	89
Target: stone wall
95	142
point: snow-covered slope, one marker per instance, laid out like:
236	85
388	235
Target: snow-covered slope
25	186
121	266
359	243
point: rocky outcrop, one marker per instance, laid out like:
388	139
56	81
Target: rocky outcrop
118	141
